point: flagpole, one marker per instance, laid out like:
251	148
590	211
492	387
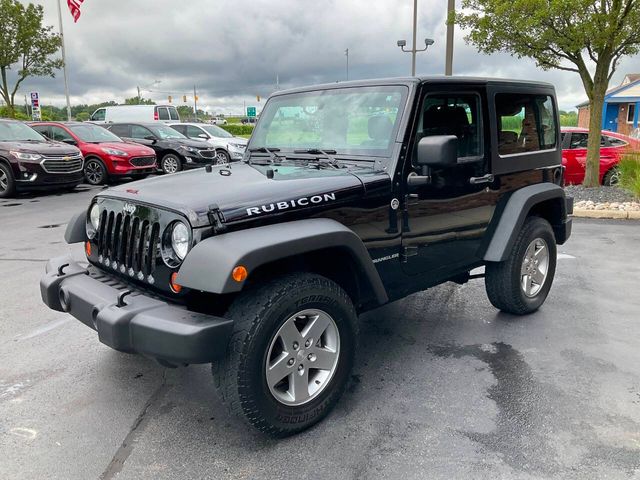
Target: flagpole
64	64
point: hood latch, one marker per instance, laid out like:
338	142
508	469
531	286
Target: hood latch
216	218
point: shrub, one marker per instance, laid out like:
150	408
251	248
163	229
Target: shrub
238	129
629	178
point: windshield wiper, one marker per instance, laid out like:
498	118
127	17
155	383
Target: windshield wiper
273	157
329	154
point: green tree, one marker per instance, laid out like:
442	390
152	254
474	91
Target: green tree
138	101
26	43
588	37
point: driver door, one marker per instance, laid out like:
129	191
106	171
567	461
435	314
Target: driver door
445	220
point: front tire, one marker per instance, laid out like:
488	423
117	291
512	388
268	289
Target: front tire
7	182
222	157
290	355
521	283
171	163
95	172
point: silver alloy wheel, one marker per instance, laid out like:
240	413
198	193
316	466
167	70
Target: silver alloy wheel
93	172
221	157
170	164
615	178
4	181
535	266
302	357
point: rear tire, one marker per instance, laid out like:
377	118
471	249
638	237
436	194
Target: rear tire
7	182
267	376
611	178
521	283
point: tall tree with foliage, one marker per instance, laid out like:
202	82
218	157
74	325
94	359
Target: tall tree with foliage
138	101
588	37
25	44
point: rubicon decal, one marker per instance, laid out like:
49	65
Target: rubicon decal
299	202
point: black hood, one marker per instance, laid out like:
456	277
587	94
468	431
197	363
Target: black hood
244	192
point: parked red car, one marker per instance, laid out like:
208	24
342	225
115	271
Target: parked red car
612	147
105	154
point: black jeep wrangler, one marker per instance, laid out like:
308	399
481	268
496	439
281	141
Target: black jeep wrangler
350	196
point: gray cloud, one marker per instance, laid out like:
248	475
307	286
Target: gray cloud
233	51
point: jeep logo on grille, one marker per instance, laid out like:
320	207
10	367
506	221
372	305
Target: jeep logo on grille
129	208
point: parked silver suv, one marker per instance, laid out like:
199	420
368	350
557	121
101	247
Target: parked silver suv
228	147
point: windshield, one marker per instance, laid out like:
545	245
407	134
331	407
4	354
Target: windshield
356	121
93	134
165	132
15	132
216	131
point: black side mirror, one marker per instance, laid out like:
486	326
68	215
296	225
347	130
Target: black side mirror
70	141
150	137
437	151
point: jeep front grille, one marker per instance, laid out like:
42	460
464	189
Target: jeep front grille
128	244
142	161
60	164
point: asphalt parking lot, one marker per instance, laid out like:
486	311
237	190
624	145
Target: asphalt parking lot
445	386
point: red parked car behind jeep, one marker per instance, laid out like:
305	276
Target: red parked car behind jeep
612	147
105	155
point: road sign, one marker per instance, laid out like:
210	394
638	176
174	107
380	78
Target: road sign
251	111
36	116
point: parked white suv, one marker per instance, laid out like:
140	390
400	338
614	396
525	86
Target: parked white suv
228	147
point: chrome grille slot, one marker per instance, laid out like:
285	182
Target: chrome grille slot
62	164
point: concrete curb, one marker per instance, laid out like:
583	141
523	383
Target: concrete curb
616	214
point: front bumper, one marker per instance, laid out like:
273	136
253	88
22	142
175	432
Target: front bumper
133	322
31	175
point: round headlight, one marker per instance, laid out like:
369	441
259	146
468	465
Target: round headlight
180	240
94	221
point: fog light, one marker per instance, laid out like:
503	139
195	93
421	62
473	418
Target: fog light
239	273
176	287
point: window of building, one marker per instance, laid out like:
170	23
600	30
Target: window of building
631	112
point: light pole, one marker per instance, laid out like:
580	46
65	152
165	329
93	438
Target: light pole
64	64
346	52
414	50
149	86
448	68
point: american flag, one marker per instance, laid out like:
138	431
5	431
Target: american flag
74	7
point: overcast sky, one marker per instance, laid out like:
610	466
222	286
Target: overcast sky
233	50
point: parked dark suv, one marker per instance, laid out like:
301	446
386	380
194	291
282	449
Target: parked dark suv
173	150
30	161
351	195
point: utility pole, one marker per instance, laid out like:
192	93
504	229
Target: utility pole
195	103
138	94
448	69
64	64
346	52
415	28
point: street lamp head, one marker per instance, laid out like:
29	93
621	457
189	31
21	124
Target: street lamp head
402	43
428	41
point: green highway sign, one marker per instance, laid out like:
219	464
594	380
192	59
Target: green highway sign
251	111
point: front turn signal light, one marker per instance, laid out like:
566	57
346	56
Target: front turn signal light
240	273
87	248
176	287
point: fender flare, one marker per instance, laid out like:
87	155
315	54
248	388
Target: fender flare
511	215
76	231
209	264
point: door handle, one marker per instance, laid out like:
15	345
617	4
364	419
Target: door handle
488	178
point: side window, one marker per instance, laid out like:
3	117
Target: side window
120	130
140	132
193	132
99	115
526	123
579	140
616	142
163	113
456	114
631	112
180	128
59	134
173	113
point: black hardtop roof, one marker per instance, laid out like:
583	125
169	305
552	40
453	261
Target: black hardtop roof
412	81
